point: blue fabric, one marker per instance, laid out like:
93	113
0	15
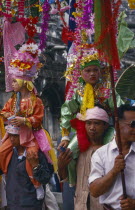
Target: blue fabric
68	196
20	191
72	24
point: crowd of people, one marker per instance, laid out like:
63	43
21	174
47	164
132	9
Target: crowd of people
89	162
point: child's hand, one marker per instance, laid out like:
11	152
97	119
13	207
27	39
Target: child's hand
64	144
18	121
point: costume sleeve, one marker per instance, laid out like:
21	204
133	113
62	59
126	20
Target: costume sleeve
97	167
118	99
68	111
35	120
44	171
8	108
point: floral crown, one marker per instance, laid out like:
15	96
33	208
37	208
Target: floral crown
25	62
86	60
89	60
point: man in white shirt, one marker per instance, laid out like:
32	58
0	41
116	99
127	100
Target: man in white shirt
106	165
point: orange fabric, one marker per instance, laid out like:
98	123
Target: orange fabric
6	151
29	168
31	108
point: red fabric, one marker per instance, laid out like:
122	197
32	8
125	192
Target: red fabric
109	43
67	88
106	43
82	137
67	35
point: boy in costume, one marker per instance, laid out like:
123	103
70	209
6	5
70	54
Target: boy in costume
25	109
90	91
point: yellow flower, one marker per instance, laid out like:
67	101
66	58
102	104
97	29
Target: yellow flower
88	99
77	14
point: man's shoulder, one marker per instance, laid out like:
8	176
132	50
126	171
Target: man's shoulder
104	149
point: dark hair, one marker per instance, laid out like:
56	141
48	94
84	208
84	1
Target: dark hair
100	106
124	108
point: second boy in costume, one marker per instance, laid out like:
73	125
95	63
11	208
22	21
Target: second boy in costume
90	91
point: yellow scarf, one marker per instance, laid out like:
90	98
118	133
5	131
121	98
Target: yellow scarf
29	84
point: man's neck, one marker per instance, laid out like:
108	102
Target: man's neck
97	142
125	146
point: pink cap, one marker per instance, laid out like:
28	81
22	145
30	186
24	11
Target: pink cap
97	114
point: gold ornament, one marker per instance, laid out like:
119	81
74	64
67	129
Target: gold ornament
131	4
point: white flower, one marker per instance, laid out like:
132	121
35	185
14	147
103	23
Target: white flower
33	48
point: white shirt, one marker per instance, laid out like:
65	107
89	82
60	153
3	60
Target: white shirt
102	162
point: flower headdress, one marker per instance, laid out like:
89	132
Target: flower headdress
25	62
88	58
87	92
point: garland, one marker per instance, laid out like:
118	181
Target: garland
30	26
84	22
88	99
44	26
86	18
21	8
108	33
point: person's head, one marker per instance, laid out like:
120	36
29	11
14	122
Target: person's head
15	85
14	136
96	123
126	115
15	139
91	72
19	85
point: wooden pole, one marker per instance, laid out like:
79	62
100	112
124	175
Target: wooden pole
117	128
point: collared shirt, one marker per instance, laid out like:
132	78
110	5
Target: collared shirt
102	162
20	157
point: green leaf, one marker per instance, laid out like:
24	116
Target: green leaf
132	45
125	85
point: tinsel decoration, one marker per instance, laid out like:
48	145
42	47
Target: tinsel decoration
8	6
21	8
106	13
87	11
44	26
30	26
84	22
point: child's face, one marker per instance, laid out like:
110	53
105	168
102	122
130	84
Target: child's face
15	85
91	74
